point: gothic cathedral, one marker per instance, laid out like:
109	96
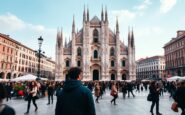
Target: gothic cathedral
97	50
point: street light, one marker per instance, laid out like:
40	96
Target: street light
40	40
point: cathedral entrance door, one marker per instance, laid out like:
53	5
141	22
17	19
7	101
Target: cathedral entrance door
95	75
112	77
123	77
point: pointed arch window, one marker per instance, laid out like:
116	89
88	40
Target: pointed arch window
112	52
67	63
95	54
113	77
78	63
124	77
95	36
79	52
123	63
112	63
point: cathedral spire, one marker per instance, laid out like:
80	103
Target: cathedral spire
61	34
128	35
65	42
61	37
132	38
84	15
102	14
73	26
87	14
106	15
117	25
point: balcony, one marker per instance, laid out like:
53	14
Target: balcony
78	57
95	59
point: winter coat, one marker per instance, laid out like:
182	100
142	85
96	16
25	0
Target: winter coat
154	93
97	91
180	97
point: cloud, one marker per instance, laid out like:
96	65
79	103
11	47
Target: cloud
124	14
147	31
27	33
143	5
10	22
167	5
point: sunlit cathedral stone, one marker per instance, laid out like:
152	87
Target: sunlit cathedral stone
97	50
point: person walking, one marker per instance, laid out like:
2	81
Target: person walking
75	99
4	109
9	89
130	89
114	93
179	96
154	91
50	93
124	89
97	91
32	92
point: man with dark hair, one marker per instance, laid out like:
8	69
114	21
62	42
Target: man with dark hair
75	99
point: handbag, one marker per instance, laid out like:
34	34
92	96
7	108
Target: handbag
26	97
174	107
113	93
37	95
149	97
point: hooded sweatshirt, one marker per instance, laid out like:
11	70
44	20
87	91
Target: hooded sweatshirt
75	99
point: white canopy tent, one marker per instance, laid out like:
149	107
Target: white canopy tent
28	77
175	78
2	80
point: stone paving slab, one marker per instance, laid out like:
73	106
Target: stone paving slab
129	106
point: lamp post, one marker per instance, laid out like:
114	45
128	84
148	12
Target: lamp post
40	40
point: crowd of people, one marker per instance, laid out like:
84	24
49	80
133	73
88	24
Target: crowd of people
76	97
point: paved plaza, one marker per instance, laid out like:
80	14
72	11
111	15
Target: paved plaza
129	106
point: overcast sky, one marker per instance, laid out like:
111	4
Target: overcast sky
155	22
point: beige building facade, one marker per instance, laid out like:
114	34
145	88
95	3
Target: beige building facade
17	60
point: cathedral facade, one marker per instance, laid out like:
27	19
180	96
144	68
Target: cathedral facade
97	50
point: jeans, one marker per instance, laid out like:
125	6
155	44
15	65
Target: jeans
50	96
114	99
29	102
157	106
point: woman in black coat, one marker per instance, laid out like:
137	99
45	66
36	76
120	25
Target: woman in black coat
154	91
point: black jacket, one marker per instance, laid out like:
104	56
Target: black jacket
180	97
75	99
154	93
50	90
